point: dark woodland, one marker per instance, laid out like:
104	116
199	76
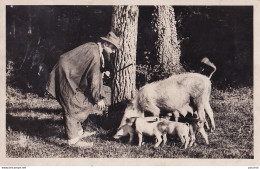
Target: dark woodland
223	34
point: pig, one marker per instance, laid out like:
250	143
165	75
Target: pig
124	131
170	94
152	128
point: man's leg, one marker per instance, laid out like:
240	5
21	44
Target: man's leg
74	132
82	116
83	134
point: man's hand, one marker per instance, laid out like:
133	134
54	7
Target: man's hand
107	73
101	104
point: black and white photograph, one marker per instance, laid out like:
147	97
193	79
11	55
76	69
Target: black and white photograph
136	82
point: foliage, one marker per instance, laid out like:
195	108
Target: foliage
147	74
224	34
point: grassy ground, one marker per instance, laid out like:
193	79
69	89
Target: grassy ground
34	129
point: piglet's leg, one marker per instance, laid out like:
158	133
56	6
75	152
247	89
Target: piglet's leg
193	138
159	138
140	136
164	139
181	138
130	138
187	140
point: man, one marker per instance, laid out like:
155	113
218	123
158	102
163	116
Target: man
76	82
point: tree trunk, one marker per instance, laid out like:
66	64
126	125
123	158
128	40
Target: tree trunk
124	24
167	46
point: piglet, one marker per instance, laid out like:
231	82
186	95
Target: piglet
144	125
196	126
153	127
124	131
180	129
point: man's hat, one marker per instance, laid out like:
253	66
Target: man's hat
113	39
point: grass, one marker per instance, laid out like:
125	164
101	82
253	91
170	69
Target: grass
34	129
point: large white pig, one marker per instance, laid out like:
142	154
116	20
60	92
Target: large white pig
170	94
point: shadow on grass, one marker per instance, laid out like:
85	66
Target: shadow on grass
38	110
41	128
49	128
52	130
105	126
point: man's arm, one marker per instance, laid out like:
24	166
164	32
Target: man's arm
96	84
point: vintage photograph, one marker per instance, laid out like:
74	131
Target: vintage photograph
129	81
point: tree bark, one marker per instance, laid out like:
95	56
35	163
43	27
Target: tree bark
167	46
124	24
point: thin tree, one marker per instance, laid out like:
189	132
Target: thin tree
167	45
124	24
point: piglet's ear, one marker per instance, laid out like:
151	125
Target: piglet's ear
128	102
130	121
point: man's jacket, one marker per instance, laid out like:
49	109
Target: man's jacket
76	80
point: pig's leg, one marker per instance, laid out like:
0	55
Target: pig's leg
209	111
204	134
153	109
140	136
189	109
207	124
192	135
201	114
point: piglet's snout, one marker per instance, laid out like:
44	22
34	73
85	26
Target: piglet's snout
118	134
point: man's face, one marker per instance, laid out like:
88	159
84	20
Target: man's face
109	49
